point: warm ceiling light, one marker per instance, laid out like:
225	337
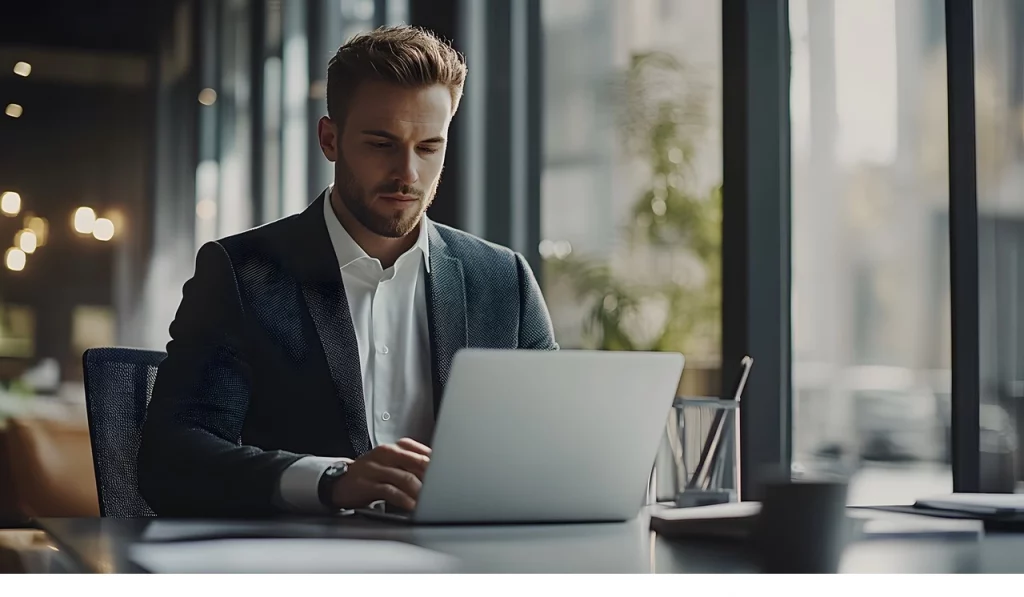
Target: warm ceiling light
10	203
26	240
23	68
207	97
14	110
40	227
103	230
85	220
15	259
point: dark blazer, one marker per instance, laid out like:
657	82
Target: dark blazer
263	367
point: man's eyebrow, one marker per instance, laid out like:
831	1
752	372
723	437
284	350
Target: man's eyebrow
392	137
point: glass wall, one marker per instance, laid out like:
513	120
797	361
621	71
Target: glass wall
870	245
263	65
630	204
999	97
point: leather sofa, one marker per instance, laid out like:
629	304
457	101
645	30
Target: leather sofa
46	469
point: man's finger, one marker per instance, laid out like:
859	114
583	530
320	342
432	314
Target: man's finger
396	457
409	483
394	496
414	446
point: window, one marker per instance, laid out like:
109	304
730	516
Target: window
630	207
17	331
870	246
999	99
92	326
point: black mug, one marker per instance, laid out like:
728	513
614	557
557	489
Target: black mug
802	527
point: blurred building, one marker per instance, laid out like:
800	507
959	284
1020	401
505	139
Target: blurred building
871	287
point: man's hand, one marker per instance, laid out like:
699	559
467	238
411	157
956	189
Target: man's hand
391	472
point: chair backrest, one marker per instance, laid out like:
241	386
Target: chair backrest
118	387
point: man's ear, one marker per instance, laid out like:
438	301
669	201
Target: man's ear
330	138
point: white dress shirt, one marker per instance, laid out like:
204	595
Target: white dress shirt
389	314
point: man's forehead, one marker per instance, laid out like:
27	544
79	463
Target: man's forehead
378	105
384	121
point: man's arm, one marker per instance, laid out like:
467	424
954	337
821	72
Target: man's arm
191	461
535	328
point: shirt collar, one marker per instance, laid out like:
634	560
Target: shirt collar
348	250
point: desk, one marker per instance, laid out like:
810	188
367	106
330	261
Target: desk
101	545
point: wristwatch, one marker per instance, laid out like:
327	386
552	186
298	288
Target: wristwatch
325	487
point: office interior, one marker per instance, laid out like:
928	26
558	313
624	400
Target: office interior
830	186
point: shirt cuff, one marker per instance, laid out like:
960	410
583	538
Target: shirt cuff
297	487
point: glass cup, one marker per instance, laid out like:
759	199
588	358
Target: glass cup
703	437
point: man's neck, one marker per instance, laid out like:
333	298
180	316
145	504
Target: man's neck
385	249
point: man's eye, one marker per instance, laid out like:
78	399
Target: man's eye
428	150
379	144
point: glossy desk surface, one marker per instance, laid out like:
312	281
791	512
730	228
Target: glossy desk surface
102	545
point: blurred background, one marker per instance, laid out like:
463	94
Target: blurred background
589	139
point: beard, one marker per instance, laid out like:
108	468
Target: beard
359	203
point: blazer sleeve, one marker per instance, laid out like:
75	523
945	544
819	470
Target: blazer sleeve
535	328
191	460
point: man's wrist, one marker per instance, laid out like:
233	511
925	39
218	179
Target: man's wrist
325	487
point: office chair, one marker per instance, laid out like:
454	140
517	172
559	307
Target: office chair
118	387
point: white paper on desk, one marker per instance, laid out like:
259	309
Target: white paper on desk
283	556
976	503
916	527
713	511
178	530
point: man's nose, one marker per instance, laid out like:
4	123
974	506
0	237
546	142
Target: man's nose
405	169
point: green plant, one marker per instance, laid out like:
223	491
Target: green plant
674	226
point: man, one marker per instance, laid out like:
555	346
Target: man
308	356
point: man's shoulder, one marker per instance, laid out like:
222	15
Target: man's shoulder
266	238
465	245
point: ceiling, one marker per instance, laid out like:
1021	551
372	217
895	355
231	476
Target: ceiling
104	25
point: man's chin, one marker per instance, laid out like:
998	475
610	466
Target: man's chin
392	227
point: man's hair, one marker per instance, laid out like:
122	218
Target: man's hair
402	55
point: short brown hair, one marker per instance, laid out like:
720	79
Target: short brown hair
403	55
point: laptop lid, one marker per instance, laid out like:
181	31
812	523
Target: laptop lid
539	436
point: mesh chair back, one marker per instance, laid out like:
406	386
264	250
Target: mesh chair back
118	387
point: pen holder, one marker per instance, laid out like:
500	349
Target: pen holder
703	436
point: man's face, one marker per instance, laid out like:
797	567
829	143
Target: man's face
389	154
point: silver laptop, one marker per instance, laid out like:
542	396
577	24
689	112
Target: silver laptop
528	436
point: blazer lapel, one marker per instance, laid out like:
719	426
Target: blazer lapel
446	291
324	294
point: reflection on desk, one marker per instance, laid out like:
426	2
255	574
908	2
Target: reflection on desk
282	556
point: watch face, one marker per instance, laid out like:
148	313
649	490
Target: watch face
327	482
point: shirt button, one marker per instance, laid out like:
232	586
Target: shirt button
383	350
386	416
